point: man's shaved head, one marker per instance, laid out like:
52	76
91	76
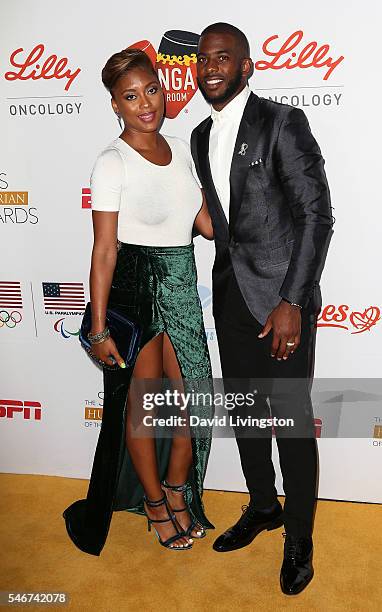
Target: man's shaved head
227	28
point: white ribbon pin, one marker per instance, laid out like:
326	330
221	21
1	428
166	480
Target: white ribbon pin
243	149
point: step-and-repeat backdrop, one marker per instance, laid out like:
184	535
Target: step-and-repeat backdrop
55	119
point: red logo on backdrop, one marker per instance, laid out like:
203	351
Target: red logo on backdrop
28	409
317	428
343	317
175	63
86	197
286	55
33	67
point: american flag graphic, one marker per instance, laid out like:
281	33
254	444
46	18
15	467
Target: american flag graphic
10	294
64	296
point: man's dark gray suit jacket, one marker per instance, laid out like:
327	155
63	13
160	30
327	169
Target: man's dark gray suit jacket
280	216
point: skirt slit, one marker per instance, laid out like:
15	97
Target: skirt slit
158	289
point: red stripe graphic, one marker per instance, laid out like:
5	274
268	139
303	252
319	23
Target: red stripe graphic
10	294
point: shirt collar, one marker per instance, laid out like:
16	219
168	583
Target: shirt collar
234	109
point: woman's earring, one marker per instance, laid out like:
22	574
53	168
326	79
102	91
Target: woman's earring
119	120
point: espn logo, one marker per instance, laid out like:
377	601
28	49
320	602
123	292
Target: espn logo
86	197
8	408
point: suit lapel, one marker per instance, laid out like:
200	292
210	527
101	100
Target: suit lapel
205	169
245	145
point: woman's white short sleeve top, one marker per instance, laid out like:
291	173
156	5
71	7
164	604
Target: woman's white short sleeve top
157	204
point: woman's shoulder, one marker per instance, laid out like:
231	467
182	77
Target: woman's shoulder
180	145
110	155
112	150
109	162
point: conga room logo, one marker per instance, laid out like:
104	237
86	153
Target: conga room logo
175	63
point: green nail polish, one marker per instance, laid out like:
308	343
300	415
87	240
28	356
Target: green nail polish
123	365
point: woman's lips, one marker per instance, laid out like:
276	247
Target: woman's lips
147	117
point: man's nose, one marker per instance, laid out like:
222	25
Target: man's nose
211	66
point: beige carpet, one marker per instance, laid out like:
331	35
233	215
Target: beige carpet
135	573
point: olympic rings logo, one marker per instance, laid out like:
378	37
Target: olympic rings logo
10	320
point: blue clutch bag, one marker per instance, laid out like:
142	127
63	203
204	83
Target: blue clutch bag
125	333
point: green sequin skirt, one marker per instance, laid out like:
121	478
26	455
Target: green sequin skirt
157	287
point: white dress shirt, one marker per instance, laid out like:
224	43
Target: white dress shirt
223	136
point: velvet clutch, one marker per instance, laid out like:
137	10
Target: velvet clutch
125	333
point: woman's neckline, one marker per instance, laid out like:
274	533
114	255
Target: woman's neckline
147	160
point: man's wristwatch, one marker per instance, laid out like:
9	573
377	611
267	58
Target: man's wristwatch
293	303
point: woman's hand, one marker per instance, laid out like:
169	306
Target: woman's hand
103	351
203	223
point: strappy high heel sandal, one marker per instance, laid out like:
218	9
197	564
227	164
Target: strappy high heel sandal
179	532
201	533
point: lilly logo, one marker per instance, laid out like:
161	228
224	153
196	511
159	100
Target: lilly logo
50	68
294	53
59	328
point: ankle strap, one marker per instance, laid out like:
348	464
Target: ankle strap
178	488
154	504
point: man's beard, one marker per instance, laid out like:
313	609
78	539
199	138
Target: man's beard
232	86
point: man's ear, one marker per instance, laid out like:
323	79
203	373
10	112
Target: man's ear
247	67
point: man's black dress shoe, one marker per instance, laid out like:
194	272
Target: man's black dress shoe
247	528
297	569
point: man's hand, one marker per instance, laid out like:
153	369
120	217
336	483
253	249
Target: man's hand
285	320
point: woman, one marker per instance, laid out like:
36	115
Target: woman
146	205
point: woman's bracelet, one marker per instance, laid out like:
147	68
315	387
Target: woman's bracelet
100	337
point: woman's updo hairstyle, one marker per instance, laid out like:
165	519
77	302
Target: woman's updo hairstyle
120	63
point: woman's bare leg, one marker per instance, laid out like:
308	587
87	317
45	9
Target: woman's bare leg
181	450
149	365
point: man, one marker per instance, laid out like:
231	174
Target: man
267	193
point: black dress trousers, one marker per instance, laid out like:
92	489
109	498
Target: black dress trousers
283	390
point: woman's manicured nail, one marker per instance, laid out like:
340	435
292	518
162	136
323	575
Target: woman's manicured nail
122	364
